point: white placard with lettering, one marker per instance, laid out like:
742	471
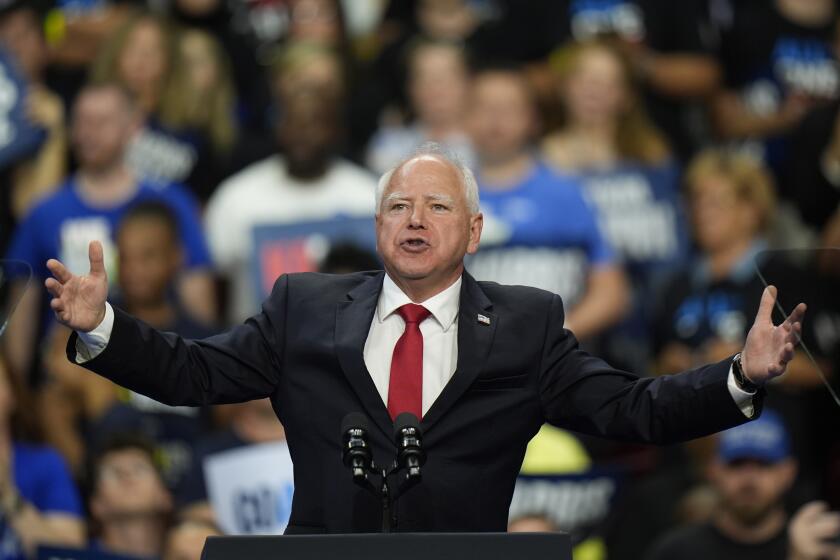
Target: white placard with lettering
251	488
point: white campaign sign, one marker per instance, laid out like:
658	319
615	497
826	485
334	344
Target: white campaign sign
250	488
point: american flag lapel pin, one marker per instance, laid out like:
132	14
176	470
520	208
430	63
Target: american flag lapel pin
483	319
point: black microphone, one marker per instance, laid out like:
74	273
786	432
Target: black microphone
355	450
409	440
356	454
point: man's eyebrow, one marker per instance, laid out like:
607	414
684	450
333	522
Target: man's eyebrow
440	198
395	196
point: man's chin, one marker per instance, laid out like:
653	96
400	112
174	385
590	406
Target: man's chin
413	270
752	514
412	275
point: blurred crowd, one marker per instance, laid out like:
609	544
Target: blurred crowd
654	162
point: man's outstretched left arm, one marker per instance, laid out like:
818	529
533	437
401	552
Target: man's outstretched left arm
583	393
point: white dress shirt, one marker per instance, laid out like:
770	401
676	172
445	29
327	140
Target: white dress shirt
440	339
440	343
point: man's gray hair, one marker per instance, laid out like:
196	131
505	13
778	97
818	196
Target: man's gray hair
433	149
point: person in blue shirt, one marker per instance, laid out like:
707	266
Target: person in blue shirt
90	204
39	505
538	229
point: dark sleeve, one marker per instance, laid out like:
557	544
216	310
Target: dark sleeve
665	303
239	365
583	393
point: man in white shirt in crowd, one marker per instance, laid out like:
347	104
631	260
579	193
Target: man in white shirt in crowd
308	183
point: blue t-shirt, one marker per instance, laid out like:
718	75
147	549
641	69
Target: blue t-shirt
43	480
63	225
540	233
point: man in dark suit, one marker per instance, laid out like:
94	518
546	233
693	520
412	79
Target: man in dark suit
484	365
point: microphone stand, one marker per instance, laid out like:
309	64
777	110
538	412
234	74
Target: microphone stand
384	492
387	505
357	455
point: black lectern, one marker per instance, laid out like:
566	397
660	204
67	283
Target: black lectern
405	546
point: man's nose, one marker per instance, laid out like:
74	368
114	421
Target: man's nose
417	218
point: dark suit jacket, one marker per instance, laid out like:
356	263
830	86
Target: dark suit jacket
304	351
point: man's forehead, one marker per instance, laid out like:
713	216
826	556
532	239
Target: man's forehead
425	164
426	169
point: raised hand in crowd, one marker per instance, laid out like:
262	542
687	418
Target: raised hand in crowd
813	533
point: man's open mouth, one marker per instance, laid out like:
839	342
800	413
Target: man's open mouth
414	244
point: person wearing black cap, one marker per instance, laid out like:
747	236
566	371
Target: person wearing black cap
752	473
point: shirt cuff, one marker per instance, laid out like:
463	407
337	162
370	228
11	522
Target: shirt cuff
742	398
90	344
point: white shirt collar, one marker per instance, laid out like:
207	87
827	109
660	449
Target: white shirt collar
443	306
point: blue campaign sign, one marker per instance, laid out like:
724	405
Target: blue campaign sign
55	553
300	247
19	137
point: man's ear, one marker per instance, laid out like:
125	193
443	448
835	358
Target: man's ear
476	225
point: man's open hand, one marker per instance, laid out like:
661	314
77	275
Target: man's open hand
769	347
79	301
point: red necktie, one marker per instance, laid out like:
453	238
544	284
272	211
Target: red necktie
405	390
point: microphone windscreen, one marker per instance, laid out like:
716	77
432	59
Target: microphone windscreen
354	420
406	420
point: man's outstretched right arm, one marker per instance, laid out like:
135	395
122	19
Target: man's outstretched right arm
241	364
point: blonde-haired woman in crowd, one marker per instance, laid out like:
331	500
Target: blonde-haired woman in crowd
201	95
603	119
141	55
606	138
182	83
706	308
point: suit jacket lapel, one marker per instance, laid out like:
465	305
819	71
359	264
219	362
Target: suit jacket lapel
352	324
475	338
